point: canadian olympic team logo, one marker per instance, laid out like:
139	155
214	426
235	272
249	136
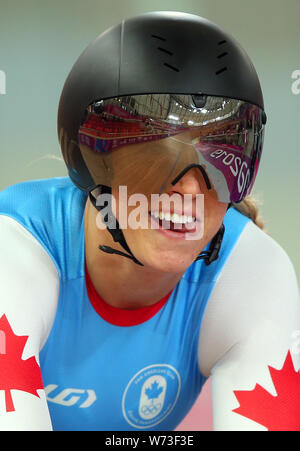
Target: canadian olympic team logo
151	395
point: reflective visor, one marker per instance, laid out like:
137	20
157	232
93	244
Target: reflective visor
148	142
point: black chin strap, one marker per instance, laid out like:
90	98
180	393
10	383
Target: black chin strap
213	253
214	249
117	234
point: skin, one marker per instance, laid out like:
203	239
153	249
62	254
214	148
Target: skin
124	284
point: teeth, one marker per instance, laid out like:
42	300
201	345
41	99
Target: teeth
175	218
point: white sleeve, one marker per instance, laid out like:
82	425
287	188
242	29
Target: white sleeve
251	328
29	292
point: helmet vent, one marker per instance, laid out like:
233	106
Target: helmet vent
171	67
158	37
221	70
222	55
163	50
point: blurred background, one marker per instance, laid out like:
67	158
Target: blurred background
40	41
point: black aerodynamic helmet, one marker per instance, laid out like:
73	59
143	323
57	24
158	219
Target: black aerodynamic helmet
154	96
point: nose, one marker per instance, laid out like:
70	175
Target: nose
189	183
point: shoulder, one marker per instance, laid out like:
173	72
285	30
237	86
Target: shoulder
255	261
29	281
35	196
256	255
51	210
257	285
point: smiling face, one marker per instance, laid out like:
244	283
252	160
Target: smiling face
165	244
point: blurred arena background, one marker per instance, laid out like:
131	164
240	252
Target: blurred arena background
40	42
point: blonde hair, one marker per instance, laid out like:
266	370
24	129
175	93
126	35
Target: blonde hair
249	207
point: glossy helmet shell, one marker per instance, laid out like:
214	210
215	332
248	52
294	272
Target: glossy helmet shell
157	52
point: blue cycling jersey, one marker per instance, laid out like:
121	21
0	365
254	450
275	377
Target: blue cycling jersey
99	375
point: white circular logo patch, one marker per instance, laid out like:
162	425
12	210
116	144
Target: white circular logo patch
151	395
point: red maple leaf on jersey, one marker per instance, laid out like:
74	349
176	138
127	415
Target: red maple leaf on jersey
15	373
276	413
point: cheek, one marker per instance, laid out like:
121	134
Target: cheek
131	210
214	213
213	207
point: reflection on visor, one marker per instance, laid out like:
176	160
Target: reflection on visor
149	141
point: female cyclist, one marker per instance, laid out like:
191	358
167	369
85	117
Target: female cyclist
130	282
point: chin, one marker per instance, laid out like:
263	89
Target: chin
161	255
168	262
